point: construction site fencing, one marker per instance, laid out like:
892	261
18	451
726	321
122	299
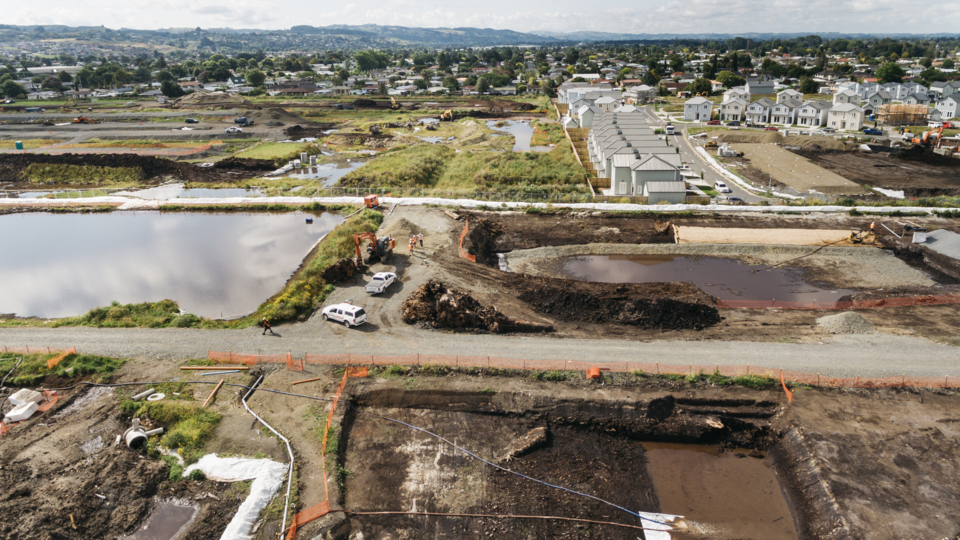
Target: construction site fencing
870	303
639	368
254	359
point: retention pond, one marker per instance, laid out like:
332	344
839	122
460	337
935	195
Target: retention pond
727	279
213	264
522	135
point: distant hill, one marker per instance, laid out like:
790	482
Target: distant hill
452	37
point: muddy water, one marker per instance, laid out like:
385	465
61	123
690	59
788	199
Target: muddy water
329	173
726	279
522	135
58	265
167	522
721	496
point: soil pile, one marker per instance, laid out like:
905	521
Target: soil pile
772	137
365	103
663	306
309	130
481	240
847	322
341	270
240	164
439	307
275	114
152	167
199	100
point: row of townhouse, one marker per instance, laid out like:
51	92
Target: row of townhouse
789	109
624	147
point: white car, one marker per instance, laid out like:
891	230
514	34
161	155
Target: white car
233	129
380	281
721	187
347	313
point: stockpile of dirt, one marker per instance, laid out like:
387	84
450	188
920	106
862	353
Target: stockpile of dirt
341	270
439	307
309	130
847	322
663	306
365	103
229	170
275	114
198	100
774	137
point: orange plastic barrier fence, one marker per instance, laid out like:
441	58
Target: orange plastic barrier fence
464	254
52	363
872	303
492	362
254	359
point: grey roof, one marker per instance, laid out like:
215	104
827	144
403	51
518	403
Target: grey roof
654	162
623	160
919	97
819	105
764	102
665	187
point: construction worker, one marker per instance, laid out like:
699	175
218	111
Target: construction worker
872	225
420	237
266	327
410	245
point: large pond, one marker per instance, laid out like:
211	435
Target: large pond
522	134
214	265
328	173
177	191
727	279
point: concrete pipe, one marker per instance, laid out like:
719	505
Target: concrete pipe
136	436
144	394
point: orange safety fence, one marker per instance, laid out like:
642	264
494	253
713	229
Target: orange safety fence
52	363
492	362
254	359
464	254
323	507
870	303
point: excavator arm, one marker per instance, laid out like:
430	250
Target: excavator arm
358	239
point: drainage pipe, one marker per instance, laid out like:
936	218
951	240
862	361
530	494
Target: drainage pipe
286	503
143	394
891	232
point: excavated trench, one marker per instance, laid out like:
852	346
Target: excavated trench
728	465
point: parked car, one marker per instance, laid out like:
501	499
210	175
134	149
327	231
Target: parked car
934	125
734	200
872	131
949	125
8	101
192	121
721	187
733	123
828	130
713	123
771	128
380	281
233	129
346	313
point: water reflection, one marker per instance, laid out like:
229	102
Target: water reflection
214	265
522	135
726	279
329	173
177	191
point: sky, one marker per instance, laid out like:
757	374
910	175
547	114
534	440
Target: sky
621	16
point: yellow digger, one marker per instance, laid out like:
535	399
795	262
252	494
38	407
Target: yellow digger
393	103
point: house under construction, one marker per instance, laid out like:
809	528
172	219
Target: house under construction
902	115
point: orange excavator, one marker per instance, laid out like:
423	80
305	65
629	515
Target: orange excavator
929	137
379	249
83	120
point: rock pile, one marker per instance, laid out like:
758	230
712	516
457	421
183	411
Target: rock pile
847	322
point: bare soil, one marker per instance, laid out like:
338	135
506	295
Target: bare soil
917	173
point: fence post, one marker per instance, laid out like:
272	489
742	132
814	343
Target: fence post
903	380
658	368
818	379
856	383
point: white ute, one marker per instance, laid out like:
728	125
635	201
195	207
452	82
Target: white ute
380	281
347	313
721	187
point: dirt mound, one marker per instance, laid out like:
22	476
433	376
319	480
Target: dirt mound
309	130
481	240
439	307
664	306
366	103
198	100
774	137
275	114
341	270
847	322
240	164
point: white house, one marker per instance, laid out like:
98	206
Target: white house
790	96
940	90
738	92
640	94
606	104
897	91
697	109
916	99
916	88
813	113
757	87
783	113
586	114
846	95
668	192
875	100
733	109
948	106
655	168
845	116
758	112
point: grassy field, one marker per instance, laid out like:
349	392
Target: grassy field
29	144
33	369
51	173
139	143
163	314
279	153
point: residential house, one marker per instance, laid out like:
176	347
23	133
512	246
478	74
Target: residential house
940	90
716	86
586	114
737	92
916	88
790	96
876	100
758	112
935	115
897	91
606	104
640	94
757	87
948	106
813	113
654	166
784	113
846	95
733	108
668	192
845	116
917	99
697	109
867	88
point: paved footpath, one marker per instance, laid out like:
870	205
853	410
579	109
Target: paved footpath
877	355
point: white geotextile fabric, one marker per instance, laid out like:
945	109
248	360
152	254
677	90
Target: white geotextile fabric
267	476
653	530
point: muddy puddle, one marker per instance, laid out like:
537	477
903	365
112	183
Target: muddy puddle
727	279
729	495
328	174
213	264
167	522
522	135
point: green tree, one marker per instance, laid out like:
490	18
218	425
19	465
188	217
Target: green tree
699	86
482	85
651	78
13	90
890	72
64	76
808	86
948	64
171	89
730	79
450	83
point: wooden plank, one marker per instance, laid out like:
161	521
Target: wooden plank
210	397
451	214
306	380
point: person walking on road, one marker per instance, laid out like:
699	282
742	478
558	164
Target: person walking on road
420	237
266	327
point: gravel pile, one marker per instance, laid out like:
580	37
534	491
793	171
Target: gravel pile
847	322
